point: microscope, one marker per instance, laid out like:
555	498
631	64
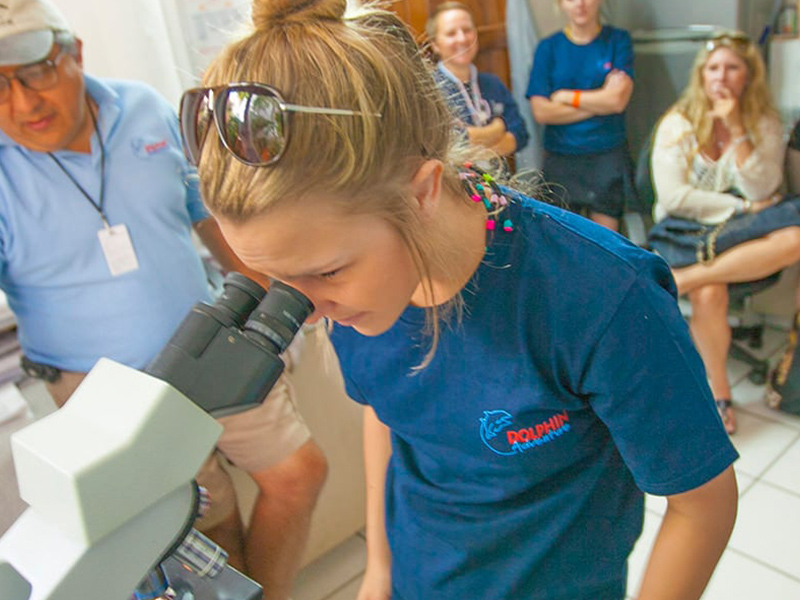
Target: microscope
109	478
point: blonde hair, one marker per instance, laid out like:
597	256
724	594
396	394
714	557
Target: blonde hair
368	62
755	103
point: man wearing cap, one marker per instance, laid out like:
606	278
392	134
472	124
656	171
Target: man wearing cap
97	205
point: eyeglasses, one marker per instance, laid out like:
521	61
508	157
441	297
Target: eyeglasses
730	39
251	120
39	76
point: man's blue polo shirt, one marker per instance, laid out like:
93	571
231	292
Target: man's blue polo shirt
69	307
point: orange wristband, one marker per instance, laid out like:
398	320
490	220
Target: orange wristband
576	98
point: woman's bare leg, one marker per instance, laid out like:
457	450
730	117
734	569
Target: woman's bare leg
749	261
712	335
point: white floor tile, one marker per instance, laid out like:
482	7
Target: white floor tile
348	592
768	530
759	442
785	472
737	371
749	398
738	576
333	572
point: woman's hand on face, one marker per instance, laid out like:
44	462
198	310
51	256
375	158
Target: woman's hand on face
725	107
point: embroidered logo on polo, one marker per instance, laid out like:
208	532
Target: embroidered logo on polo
145	148
504	436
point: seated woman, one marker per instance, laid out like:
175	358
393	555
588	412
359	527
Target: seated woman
480	101
717	165
580	86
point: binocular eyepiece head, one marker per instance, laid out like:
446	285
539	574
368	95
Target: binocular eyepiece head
269	318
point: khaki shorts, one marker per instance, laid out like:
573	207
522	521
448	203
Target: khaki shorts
253	440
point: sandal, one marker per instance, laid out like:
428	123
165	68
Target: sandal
725	410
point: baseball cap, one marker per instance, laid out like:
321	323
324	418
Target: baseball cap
26	30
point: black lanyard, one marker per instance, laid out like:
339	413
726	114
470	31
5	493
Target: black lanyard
97	206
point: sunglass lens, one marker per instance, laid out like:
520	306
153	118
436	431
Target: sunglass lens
195	121
254	126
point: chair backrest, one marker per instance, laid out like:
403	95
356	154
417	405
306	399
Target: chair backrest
643	178
638	217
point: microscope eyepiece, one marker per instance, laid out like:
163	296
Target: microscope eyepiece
240	295
278	317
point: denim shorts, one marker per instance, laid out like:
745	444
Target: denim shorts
683	242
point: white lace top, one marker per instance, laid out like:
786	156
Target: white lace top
701	192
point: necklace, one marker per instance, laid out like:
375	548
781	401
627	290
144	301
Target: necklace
98	206
481	187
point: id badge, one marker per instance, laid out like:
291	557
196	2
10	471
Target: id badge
118	249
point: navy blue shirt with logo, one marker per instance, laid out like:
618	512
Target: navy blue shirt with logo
520	453
560	64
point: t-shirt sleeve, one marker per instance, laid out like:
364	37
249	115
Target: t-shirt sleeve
623	52
539	83
646	382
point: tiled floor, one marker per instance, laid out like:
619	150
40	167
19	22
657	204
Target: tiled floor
763	557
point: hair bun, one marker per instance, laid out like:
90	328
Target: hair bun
271	12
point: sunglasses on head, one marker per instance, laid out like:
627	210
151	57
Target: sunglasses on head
251	119
730	39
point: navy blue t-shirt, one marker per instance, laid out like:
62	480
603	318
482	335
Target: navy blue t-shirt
560	64
520	451
500	102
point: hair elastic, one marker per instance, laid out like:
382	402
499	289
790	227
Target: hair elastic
576	98
481	187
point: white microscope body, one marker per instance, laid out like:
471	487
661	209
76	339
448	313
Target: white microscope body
109	482
109	477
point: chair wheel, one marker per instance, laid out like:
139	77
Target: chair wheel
756	338
758	375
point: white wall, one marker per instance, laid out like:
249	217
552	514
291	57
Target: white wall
126	39
166	43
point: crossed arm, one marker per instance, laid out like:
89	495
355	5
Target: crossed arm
559	109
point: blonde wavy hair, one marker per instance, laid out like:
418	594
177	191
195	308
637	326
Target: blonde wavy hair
755	103
369	62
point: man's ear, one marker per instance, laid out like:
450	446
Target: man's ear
426	186
79	52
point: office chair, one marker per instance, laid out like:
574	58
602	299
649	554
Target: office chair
746	325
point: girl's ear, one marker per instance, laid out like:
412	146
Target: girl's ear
426	186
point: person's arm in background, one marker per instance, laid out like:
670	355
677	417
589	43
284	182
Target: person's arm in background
610	99
494	136
377	582
693	535
614	95
209	233
675	194
760	168
540	89
515	133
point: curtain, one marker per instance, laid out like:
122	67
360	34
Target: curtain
522	40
